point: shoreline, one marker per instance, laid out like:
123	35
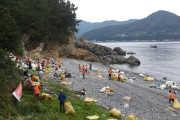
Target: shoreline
146	103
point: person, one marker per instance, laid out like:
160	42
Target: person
79	67
83	74
90	65
38	65
30	67
59	64
119	75
86	68
171	96
83	67
56	67
110	72
36	90
25	74
62	98
34	78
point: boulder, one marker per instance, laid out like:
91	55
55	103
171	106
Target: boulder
119	51
131	53
114	59
70	49
132	60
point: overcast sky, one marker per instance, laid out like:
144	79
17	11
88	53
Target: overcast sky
121	10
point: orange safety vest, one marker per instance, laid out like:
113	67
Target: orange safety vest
79	66
86	67
83	72
119	75
56	66
171	95
38	64
44	67
110	71
59	63
36	90
83	68
30	83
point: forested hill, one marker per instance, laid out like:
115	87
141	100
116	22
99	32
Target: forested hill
43	20
160	25
85	26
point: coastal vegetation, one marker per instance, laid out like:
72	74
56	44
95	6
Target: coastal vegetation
161	25
42	20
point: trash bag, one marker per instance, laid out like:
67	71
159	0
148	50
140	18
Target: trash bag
126	98
111	119
62	76
99	76
33	69
69	108
131	117
88	100
94	117
122	79
46	96
114	112
114	76
110	89
176	104
97	70
148	78
90	73
65	83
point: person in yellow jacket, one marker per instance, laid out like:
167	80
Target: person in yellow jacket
34	78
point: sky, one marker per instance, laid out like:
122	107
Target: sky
122	10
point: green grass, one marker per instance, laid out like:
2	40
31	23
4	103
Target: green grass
31	109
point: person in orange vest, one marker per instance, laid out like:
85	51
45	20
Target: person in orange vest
171	96
83	68
36	91
38	65
59	64
79	67
110	72
56	67
83	74
119	75
86	68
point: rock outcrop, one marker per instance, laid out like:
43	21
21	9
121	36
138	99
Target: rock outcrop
119	51
84	51
132	61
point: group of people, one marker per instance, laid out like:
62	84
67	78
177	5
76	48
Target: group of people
110	74
85	69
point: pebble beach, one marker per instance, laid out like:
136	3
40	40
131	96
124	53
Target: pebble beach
146	103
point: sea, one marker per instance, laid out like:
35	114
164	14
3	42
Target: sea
160	62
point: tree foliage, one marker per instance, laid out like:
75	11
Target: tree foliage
43	20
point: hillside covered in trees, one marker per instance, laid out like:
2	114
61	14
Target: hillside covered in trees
85	26
42	20
160	25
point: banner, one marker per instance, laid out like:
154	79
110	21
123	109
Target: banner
18	92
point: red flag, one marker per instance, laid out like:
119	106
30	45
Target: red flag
18	92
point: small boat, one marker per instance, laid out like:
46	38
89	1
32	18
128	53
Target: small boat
153	46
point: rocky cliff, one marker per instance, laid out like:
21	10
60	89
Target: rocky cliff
83	51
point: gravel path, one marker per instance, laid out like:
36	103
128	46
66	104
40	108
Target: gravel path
146	103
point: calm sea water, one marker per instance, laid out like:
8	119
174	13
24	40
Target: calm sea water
163	61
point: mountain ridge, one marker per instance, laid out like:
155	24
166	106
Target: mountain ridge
159	25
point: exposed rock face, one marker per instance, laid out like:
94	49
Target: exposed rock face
95	48
119	51
84	51
132	61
